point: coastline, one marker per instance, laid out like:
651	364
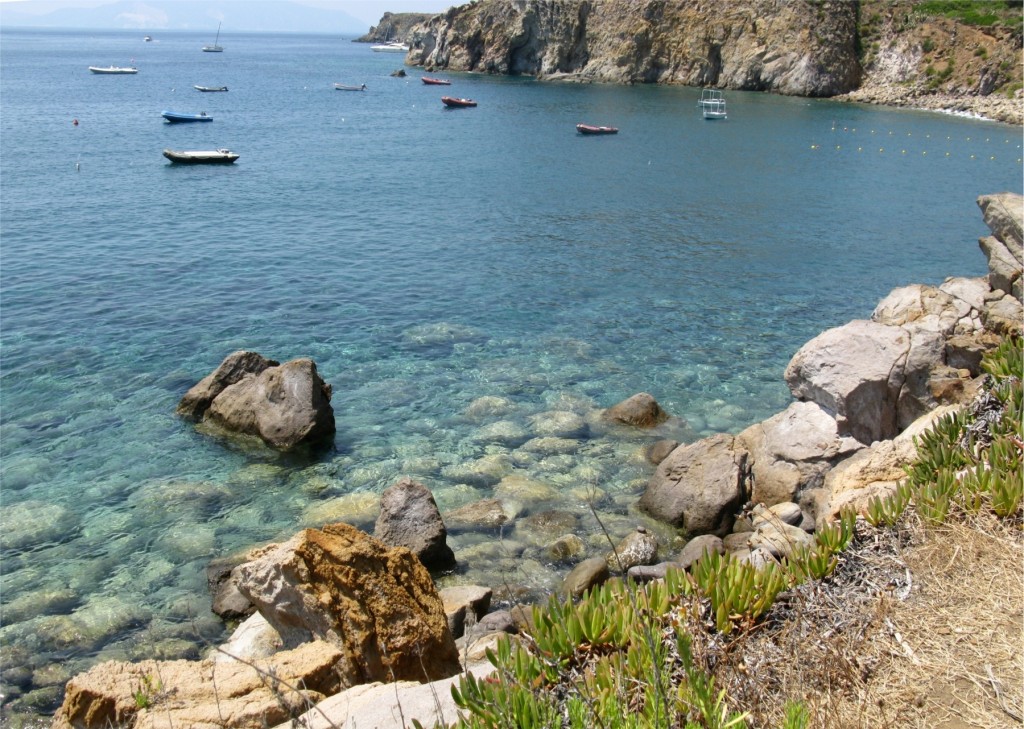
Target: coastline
989	108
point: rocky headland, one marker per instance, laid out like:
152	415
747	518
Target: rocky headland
894	52
345	625
394	27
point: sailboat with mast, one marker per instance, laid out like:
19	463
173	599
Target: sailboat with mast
390	46
216	47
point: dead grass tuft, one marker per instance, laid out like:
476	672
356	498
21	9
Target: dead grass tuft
919	626
950	656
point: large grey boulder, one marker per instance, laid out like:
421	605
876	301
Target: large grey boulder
876	470
855	372
1004	314
792	451
235	366
926	307
1004	216
409	518
284	405
699	487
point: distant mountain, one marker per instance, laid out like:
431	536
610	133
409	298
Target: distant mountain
251	15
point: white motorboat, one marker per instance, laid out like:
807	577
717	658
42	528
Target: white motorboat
113	69
392	47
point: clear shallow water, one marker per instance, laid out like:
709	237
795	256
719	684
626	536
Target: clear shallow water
424	258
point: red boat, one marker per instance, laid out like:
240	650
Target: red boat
453	102
589	129
435	81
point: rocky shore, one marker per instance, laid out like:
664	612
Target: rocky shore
893	53
338	616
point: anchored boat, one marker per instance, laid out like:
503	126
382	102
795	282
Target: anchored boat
113	69
590	129
175	117
454	103
201	156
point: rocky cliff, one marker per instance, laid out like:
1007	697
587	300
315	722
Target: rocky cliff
798	47
962	56
394	27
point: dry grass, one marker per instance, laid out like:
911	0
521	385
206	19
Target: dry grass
950	656
918	627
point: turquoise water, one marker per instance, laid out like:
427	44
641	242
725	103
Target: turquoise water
425	258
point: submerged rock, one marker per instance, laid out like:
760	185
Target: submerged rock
640	410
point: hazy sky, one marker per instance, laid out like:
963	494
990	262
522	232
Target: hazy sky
369	11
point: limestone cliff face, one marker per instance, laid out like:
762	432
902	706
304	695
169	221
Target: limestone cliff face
797	47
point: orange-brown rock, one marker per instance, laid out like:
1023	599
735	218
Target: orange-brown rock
376	603
200	694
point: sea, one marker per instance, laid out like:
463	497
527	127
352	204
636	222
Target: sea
469	281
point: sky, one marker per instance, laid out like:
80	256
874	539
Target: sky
368	11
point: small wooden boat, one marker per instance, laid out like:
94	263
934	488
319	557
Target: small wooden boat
200	156
435	81
210	88
455	103
175	117
113	69
591	129
343	87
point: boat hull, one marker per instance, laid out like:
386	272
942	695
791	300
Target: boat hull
390	48
343	87
113	69
454	103
591	129
201	157
435	81
210	88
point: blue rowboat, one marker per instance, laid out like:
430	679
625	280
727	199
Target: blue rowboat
176	117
